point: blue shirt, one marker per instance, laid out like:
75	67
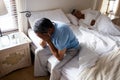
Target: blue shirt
63	37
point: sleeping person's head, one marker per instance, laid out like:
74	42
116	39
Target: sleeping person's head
80	15
77	14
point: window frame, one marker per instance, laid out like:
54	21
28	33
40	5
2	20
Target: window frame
9	19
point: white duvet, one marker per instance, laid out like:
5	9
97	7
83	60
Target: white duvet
98	42
105	26
106	68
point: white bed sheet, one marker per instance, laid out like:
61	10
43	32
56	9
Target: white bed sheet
71	70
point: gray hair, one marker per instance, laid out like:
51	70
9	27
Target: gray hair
42	25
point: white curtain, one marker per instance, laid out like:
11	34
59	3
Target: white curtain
22	20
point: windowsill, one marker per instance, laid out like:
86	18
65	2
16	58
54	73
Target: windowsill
8	32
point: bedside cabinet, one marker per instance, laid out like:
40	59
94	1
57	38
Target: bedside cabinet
14	52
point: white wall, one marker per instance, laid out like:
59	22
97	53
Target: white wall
66	5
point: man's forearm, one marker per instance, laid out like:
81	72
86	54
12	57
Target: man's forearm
53	49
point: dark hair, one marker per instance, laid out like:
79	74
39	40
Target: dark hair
73	11
42	25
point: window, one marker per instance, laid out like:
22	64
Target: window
109	7
8	22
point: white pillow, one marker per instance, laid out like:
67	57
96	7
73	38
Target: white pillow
72	19
55	15
85	10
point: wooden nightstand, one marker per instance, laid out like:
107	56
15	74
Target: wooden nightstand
14	52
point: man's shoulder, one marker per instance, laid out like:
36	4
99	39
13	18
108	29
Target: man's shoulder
62	25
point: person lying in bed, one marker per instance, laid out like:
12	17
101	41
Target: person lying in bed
87	17
61	41
93	19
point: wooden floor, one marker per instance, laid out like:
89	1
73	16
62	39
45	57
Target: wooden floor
23	74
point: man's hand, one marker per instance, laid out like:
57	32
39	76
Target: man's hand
92	22
44	36
43	44
47	40
61	56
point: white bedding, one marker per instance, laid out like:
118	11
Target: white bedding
98	42
70	71
106	26
106	68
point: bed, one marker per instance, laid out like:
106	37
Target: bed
98	58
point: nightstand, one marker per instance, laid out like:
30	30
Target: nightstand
14	52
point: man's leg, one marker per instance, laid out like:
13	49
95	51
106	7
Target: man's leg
56	72
40	64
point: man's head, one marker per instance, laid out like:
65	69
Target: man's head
77	13
43	27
